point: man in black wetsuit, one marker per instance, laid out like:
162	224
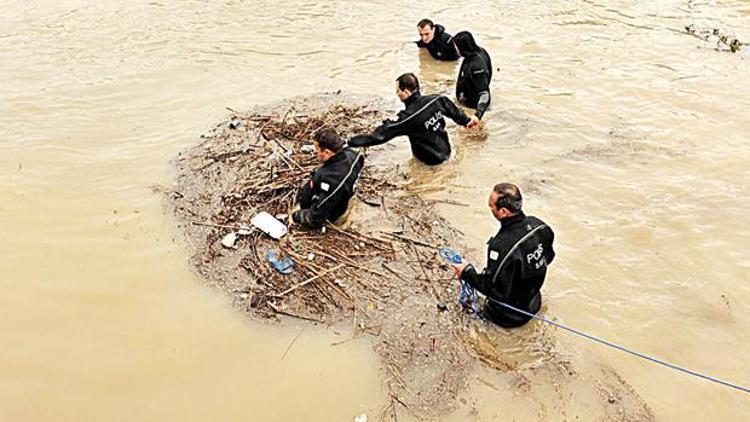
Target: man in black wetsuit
517	260
436	41
421	121
326	196
473	84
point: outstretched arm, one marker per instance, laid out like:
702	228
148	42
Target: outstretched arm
384	133
451	110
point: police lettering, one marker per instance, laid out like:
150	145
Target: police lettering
433	123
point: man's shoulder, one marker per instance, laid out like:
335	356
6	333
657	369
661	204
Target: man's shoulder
430	98
477	64
536	224
352	155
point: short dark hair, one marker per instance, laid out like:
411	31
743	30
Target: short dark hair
408	81
508	196
425	22
328	138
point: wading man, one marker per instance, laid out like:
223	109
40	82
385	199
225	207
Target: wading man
326	196
473	84
436	41
517	260
422	121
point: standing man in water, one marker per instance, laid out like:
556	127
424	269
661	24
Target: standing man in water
473	84
517	260
421	121
326	196
438	42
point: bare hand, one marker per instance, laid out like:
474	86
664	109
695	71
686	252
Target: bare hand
474	122
459	268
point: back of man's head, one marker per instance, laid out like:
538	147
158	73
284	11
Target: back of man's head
408	82
508	197
466	44
328	138
425	22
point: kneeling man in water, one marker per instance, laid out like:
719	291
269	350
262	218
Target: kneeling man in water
517	260
326	196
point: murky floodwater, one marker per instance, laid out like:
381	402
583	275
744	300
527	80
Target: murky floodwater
628	136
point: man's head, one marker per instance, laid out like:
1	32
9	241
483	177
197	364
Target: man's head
505	200
426	30
406	85
327	143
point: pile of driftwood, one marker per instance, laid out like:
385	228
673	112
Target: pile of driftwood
381	268
274	158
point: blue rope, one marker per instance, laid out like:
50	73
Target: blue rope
625	349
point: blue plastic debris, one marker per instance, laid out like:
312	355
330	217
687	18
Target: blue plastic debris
468	297
450	255
284	266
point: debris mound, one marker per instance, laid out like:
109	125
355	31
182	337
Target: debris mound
381	268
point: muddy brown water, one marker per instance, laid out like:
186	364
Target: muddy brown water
628	136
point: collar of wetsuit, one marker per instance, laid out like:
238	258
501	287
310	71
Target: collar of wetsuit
507	222
414	97
341	155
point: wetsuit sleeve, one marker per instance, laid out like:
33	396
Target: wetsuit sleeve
327	194
479	281
498	287
451	110
420	44
384	133
306	194
481	78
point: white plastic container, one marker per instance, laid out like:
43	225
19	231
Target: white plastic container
269	225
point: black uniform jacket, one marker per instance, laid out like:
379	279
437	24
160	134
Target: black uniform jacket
422	121
517	260
441	47
473	85
326	196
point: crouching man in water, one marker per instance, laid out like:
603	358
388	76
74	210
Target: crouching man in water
421	121
517	260
326	196
437	42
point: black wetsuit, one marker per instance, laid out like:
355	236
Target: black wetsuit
473	84
422	121
326	196
441	47
517	260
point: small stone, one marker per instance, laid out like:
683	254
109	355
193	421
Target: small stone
361	418
310	256
244	296
229	240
